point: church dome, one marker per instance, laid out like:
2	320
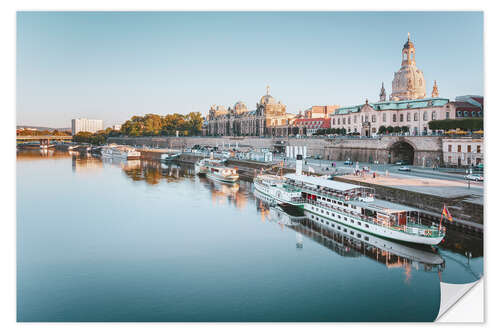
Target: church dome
267	99
408	82
240	107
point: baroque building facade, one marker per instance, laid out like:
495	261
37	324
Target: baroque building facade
268	118
407	106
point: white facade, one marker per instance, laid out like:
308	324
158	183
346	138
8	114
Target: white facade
117	127
86	125
415	114
463	151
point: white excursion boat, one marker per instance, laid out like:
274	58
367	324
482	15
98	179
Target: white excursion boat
170	155
122	152
395	248
351	205
215	169
356	239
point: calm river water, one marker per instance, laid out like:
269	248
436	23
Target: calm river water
136	241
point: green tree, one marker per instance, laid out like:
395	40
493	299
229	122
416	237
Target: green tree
194	121
471	124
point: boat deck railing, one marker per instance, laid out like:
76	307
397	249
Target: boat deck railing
340	196
409	228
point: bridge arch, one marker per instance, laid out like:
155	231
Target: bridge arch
402	150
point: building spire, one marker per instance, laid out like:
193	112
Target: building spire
382	93
435	92
267	90
408	36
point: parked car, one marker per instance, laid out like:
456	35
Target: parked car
404	168
474	177
348	162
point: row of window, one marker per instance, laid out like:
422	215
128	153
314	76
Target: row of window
342	121
467	113
338	217
469	148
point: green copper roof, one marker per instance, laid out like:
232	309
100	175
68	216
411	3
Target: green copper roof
396	105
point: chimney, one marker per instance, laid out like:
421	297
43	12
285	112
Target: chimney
298	166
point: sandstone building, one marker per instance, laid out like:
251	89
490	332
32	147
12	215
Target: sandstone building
408	105
268	118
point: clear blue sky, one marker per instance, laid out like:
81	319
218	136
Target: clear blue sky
111	66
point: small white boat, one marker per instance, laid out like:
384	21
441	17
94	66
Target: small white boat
169	156
121	152
215	169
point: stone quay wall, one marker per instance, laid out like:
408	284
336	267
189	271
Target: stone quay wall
426	148
466	214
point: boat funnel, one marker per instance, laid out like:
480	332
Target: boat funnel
211	155
298	166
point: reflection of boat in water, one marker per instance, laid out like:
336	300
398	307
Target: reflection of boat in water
351	205
278	215
215	169
122	152
227	189
124	164
364	241
348	241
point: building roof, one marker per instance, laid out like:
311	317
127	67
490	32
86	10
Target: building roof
465	106
335	185
313	122
396	105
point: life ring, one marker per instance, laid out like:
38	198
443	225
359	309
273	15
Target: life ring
427	232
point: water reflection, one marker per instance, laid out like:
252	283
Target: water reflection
458	249
82	162
349	242
152	172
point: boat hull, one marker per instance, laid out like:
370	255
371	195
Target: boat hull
347	219
397	248
121	156
380	231
228	179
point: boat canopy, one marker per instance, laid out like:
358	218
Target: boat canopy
324	183
386	207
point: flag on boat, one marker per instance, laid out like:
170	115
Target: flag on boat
447	214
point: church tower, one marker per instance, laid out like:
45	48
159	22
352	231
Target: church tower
382	93
435	92
408	53
408	82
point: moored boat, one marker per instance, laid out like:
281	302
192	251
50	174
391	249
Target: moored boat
121	152
215	169
169	156
351	205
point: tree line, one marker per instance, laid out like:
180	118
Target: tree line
471	124
393	129
171	124
148	125
44	132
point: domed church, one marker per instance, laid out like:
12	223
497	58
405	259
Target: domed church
408	82
269	118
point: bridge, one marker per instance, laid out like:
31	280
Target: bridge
43	139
